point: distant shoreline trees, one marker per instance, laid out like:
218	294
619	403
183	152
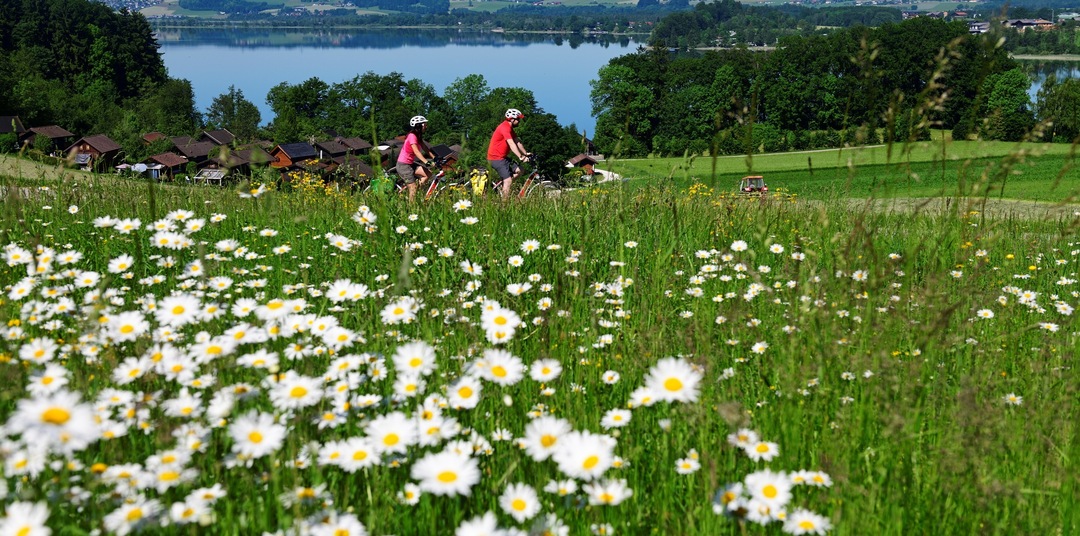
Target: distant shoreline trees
852	86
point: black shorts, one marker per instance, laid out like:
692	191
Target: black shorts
506	168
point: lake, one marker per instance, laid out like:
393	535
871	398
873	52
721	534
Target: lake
1039	70
556	69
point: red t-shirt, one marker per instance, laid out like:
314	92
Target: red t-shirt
498	148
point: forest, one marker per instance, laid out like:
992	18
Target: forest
851	86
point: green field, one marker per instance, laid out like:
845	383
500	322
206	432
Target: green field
1042	172
310	361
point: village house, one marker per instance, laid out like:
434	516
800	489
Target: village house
165	166
11	124
198	151
58	136
94	152
151	137
355	145
1022	25
583	161
331	149
218	137
291	155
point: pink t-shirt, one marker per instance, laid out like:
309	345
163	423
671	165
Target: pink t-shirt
407	156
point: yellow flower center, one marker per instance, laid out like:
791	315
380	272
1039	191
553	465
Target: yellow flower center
297	392
518	505
255	437
769	491
359	456
391	440
465	392
447	477
56	416
178	310
547	441
415	362
591	462
499	371
673	384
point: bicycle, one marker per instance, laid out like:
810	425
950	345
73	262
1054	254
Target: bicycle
389	180
442	180
536	184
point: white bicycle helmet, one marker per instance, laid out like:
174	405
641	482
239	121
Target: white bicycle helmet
416	120
514	113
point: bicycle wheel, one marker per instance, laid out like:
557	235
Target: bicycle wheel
542	189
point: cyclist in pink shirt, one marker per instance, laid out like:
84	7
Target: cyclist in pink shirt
414	149
504	141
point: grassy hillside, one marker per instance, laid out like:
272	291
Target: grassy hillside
1019	171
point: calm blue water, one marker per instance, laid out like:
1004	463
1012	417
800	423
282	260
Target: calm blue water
1039	71
557	71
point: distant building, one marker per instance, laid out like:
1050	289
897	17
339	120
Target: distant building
93	152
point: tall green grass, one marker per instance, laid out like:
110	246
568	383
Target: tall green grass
918	441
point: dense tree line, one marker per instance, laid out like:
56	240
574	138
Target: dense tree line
860	85
728	23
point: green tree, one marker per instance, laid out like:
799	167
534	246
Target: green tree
553	143
300	111
1059	103
232	111
626	105
464	96
170	108
1008	112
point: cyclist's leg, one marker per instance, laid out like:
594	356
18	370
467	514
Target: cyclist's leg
408	176
507	171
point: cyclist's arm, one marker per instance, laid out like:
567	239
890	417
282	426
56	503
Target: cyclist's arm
419	153
517	148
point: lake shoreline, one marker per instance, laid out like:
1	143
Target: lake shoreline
1046	57
256	25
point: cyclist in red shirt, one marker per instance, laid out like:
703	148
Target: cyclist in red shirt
503	142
